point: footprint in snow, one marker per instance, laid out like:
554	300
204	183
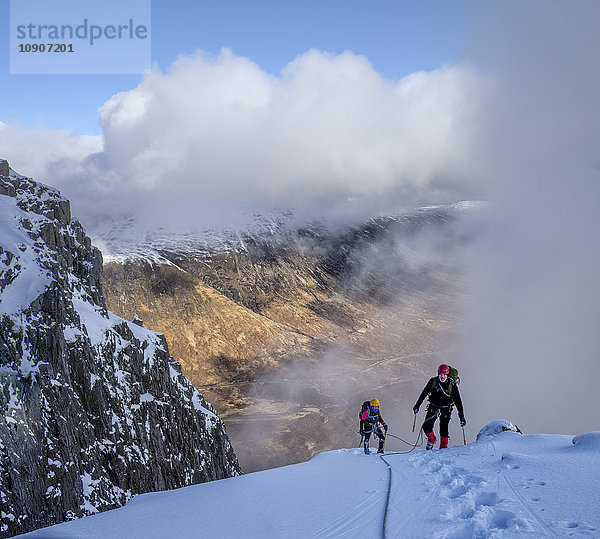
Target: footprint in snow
486	521
572	527
458	492
488	498
474	511
531	481
434	467
450	474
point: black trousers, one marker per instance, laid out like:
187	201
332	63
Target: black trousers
432	415
378	432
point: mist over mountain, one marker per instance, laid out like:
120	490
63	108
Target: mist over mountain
288	328
537	261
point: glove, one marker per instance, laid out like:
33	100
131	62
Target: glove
463	421
385	428
416	409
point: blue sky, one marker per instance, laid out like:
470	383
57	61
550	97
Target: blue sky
318	104
397	37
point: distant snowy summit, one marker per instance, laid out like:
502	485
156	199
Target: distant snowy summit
94	409
130	239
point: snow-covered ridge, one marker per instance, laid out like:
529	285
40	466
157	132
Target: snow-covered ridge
94	409
27	212
505	484
128	240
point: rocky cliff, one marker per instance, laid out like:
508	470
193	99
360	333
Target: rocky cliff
94	409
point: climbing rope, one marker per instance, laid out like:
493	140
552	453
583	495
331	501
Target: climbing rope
387	497
418	442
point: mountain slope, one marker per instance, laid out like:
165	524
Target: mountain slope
94	409
284	327
503	485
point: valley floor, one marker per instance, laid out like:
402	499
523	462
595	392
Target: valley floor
505	485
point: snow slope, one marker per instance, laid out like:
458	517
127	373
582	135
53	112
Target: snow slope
24	274
504	485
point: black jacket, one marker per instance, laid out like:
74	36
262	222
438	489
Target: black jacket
369	420
441	394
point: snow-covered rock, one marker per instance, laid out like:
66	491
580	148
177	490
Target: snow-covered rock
496	427
587	441
94	409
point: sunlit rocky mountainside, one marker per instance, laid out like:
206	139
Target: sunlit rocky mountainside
287	329
94	408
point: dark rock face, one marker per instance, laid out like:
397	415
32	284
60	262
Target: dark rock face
94	409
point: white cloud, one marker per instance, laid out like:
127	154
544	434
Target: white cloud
533	342
221	132
32	152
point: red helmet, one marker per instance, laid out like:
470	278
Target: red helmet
443	369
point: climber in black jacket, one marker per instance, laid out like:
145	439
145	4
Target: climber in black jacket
443	395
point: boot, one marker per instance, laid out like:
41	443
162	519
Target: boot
366	448
443	442
430	440
380	450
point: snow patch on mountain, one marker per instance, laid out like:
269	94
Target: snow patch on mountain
127	239
24	272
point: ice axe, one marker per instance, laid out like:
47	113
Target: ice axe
415	421
464	437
